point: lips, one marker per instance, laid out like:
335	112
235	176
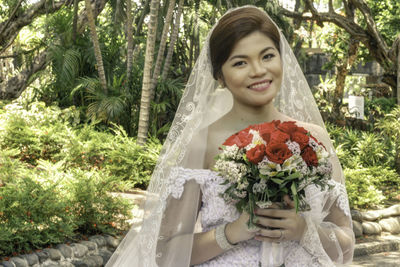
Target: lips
260	86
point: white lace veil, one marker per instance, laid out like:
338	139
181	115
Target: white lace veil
166	234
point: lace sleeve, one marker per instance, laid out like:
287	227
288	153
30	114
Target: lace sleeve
181	176
329	236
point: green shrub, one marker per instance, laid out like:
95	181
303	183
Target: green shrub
357	148
32	211
38	132
371	150
389	125
369	187
44	205
95	208
130	161
48	133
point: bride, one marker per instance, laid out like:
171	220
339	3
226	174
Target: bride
246	74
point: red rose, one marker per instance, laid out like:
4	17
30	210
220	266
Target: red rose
241	139
278	153
256	154
265	130
301	130
300	138
310	157
288	127
276	122
319	143
278	137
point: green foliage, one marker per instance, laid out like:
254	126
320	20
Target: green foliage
386	14
49	133
369	187
131	162
390	127
56	176
45	205
377	107
324	95
361	148
368	161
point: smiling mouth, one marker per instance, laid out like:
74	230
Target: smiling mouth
260	86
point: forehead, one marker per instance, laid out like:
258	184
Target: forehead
254	42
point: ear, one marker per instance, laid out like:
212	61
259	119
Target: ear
221	81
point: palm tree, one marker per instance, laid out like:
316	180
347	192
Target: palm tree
75	21
96	46
129	37
172	41
145	99
161	49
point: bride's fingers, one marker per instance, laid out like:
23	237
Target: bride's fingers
289	202
276	235
267	222
274	213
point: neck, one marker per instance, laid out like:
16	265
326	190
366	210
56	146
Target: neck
244	115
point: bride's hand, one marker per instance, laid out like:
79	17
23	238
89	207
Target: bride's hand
279	225
238	231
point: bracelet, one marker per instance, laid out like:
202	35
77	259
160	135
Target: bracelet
221	239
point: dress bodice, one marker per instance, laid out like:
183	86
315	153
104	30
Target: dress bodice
215	211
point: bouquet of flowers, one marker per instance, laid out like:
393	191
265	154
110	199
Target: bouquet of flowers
264	162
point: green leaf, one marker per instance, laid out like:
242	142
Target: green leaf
293	176
277	181
294	189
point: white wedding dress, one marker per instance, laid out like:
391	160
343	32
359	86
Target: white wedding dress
309	252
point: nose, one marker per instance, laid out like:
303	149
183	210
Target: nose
257	69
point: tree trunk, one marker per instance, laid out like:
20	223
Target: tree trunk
129	37
9	29
96	46
1	71
366	32
75	21
13	87
341	74
197	32
148	63
161	49
398	77
172	41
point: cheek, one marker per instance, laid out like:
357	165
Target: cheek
234	79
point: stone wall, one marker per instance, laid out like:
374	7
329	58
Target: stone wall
374	222
95	251
313	68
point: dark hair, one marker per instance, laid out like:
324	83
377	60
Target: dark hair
233	27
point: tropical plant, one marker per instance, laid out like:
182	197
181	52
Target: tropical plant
390	125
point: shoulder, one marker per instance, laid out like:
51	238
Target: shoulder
218	132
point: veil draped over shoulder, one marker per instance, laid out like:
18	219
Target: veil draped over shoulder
166	234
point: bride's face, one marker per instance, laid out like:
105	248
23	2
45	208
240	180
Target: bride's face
253	71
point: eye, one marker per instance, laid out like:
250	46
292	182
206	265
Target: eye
239	63
268	56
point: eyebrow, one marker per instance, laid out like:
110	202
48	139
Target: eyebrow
245	56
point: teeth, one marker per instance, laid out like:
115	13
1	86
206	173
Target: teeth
259	85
